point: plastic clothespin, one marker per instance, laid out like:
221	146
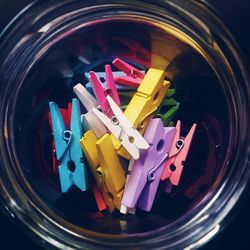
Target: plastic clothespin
134	76
102	93
66	118
144	179
177	156
147	99
68	151
106	167
89	120
123	130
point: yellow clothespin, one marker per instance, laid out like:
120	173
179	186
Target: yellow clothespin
105	166
114	175
147	99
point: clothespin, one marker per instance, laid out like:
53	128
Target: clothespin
143	182
66	118
98	198
101	93
68	151
134	76
147	99
123	130
90	120
102	77
87	100
171	105
177	156
135	51
106	167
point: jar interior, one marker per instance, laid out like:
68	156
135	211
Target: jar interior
197	89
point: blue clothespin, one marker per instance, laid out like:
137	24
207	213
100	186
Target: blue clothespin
68	150
102	77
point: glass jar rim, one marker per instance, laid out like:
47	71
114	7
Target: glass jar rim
221	202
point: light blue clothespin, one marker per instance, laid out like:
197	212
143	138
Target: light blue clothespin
102	77
68	150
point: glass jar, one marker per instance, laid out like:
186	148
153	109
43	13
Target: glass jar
48	47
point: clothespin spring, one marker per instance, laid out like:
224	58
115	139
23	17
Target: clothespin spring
151	173
179	145
102	181
67	136
115	121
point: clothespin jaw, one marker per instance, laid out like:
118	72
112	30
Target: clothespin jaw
85	97
91	121
102	93
98	197
147	99
122	129
168	116
145	176
134	76
178	154
68	152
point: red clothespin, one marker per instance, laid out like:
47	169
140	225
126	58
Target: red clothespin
177	156
102	93
135	51
98	198
66	113
134	76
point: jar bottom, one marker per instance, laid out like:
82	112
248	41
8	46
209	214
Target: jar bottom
198	91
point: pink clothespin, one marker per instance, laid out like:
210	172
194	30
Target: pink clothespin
101	93
134	76
177	156
143	182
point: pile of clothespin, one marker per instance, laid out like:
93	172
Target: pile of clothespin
120	137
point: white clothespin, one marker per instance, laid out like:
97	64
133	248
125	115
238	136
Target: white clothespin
89	120
85	97
121	128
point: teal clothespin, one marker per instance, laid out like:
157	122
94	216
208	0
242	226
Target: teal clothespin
68	150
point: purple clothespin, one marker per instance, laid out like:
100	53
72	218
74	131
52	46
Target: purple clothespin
146	174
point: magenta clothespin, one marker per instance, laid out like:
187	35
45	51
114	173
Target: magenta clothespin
177	156
134	76
143	182
102	93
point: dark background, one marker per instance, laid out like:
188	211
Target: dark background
236	235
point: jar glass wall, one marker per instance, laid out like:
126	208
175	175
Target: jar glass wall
50	47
